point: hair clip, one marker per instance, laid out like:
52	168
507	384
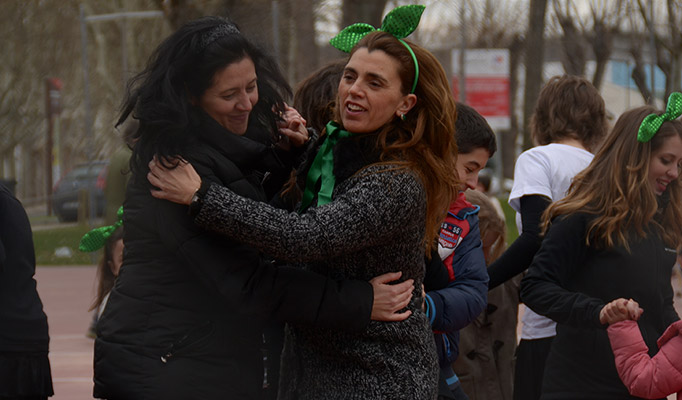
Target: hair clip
400	22
97	238
652	123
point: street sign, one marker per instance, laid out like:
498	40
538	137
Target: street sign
486	84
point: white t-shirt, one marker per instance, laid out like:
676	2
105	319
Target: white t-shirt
548	171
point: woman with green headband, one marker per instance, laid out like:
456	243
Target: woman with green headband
186	315
615	235
374	197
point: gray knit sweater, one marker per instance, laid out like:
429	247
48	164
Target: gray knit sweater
374	225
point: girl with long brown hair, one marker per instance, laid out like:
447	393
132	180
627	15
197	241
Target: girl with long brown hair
615	235
374	198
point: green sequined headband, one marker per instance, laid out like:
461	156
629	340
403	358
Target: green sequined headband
652	123
97	238
400	22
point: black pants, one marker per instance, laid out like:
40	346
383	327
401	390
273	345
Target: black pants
531	356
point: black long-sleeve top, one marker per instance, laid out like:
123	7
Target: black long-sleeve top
518	256
570	283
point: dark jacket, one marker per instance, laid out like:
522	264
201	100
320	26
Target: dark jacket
185	318
374	225
24	340
23	324
452	308
571	282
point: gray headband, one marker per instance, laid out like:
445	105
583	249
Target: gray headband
216	33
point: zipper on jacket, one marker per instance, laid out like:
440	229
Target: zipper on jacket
191	337
446	342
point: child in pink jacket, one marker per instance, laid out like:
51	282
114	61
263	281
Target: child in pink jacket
644	376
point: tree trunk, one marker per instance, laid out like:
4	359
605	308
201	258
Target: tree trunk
367	11
508	139
602	46
306	55
179	11
535	53
573	57
639	76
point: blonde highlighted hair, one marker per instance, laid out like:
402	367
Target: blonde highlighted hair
615	188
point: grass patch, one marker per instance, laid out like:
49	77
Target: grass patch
46	241
510	219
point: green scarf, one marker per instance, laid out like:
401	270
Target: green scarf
322	169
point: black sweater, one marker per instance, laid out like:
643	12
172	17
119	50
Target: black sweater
570	282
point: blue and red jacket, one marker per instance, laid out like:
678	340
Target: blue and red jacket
465	295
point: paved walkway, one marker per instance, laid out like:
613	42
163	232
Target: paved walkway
66	293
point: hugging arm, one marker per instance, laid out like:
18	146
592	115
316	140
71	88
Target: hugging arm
370	213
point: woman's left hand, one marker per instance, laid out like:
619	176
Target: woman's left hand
293	126
177	185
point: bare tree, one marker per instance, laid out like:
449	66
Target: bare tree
607	18
367	11
574	55
667	41
535	54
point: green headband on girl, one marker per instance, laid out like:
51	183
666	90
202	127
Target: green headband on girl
652	123
400	22
97	238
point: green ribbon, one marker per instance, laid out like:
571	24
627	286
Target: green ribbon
97	238
400	22
322	169
652	123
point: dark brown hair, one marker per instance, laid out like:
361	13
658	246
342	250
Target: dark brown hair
105	277
569	107
315	95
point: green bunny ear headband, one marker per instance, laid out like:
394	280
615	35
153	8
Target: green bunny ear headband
400	22
652	123
97	238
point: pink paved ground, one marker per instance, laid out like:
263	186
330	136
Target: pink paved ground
66	293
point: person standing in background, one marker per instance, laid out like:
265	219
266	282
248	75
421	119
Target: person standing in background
24	340
568	124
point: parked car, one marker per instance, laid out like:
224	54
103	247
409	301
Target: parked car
65	195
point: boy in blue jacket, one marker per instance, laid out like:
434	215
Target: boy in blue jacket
456	284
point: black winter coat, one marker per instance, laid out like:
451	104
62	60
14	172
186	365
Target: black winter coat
185	318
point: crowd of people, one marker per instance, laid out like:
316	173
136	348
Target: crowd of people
349	237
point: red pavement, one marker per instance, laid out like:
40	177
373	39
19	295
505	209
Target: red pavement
66	293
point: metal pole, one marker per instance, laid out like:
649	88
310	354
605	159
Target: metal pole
48	146
124	49
652	53
275	28
86	90
86	84
462	54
